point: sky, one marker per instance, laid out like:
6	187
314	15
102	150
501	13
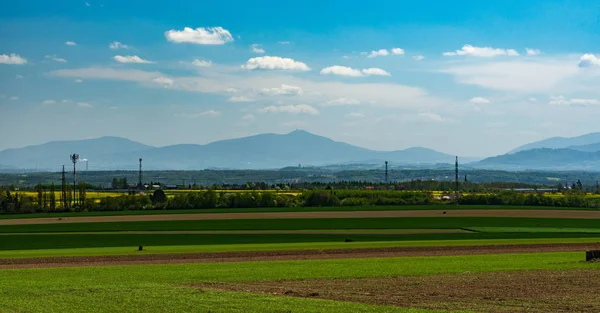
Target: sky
470	78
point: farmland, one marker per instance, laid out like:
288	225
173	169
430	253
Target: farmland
343	259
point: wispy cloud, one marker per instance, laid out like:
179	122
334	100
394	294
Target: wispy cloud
256	48
291	109
202	63
131	59
84	104
482	52
479	100
284	90
275	63
56	59
12	58
201	35
240	99
351	72
70	43
532	52
117	45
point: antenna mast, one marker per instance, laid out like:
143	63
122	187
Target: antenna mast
386	172
140	175
74	159
456	179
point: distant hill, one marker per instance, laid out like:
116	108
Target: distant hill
589	148
561	142
52	155
254	152
543	159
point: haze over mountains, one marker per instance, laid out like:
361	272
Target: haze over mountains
270	151
264	151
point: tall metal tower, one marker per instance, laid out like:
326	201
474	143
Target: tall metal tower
386	172
140	175
63	198
456	179
74	159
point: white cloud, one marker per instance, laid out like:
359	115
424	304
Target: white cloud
164	81
131	59
589	60
479	100
418	58
87	4
532	52
275	63
342	101
381	52
240	99
210	113
14	98
351	72
19	76
379	94
532	99
248	117
355	115
49	102
231	90
12	59
117	45
70	43
256	48
55	58
79	81
375	71
432	116
200	36
341	70
284	42
397	51
292	109
84	104
284	90
530	76
202	63
482	52
560	100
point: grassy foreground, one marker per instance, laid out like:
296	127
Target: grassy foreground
161	288
280	246
66	241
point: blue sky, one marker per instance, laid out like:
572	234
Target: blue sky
472	78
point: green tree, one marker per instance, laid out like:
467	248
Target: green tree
52	197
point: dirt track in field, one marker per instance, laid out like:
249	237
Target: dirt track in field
325	214
498	292
213	257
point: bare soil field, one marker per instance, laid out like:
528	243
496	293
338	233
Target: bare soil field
7	263
502	292
294	215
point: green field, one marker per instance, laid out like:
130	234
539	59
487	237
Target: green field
132	250
162	288
293	209
307	223
195	287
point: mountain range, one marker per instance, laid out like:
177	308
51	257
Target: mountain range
264	151
271	151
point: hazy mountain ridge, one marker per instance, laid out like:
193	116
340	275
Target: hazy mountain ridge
253	152
561	142
544	159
